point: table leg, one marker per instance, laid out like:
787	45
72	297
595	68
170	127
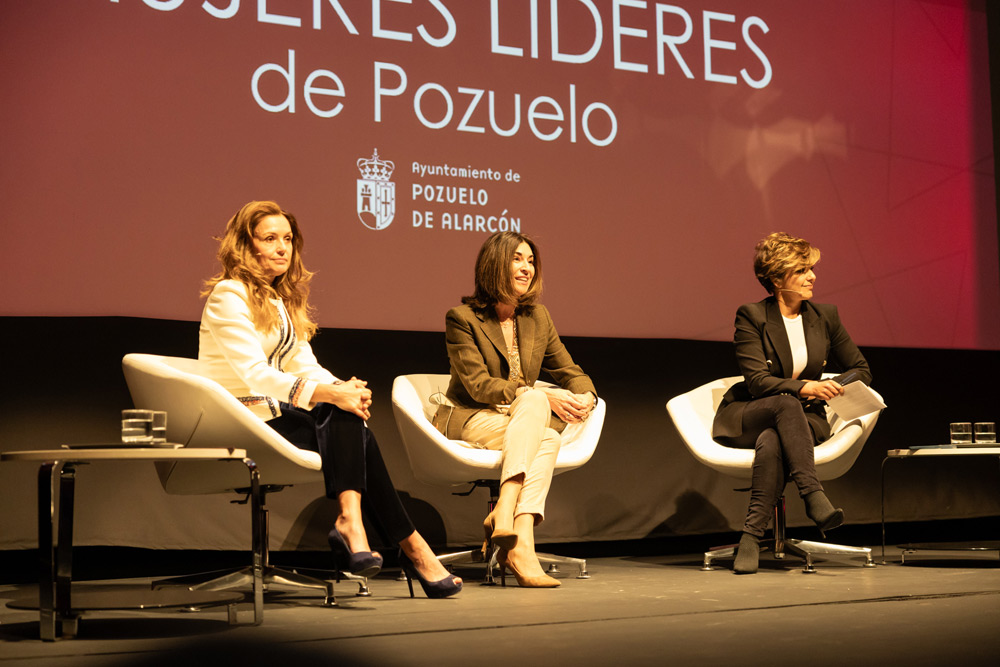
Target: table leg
47	475
882	504
64	551
257	542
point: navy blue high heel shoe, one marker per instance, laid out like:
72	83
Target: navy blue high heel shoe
360	563
442	588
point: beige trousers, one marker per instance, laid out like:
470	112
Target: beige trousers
529	446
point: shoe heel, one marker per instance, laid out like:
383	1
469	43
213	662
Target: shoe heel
432	589
487	531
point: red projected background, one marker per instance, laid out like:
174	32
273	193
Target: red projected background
646	147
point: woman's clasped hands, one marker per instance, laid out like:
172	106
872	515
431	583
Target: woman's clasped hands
569	407
352	396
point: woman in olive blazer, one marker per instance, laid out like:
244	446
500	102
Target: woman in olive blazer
783	345
499	340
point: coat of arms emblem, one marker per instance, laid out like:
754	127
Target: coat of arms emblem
376	193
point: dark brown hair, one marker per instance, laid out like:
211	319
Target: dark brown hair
494	278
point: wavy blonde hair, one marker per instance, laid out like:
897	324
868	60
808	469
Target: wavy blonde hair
495	279
239	262
777	254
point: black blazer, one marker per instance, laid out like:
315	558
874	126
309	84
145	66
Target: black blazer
764	356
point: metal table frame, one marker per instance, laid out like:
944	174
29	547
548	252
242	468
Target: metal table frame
928	453
56	486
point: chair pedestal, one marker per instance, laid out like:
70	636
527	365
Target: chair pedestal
271	575
780	545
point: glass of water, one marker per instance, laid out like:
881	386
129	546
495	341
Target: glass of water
159	431
986	432
961	433
137	425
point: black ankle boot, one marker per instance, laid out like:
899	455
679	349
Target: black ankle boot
820	510
748	555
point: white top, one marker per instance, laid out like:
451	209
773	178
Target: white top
258	368
797	339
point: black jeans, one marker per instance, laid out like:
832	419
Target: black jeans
783	442
351	462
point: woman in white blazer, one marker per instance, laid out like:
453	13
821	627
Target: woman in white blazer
254	341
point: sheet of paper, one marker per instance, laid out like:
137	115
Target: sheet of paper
858	400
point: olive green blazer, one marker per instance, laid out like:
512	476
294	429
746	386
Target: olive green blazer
480	368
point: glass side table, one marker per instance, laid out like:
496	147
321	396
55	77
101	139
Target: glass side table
932	452
58	611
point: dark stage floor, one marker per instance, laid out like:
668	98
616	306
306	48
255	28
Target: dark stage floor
937	608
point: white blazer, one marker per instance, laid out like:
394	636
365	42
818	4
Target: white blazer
258	368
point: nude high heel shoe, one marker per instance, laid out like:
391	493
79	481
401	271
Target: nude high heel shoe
501	537
543	581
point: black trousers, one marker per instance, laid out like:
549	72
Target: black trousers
351	462
777	429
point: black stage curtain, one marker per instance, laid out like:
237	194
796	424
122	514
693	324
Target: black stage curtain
63	383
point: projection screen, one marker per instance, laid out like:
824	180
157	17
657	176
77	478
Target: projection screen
644	145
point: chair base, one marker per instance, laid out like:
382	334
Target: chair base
269	574
475	556
555	561
222	580
802	548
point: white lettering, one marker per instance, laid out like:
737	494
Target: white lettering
618	31
309	90
611	117
378	31
419	111
449	20
595	47
227	13
716	44
287	74
766	79
497	47
463	125
263	16
672	40
163	5
392	92
517	117
534	114
341	14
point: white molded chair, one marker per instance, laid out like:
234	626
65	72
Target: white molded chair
439	461
201	413
693	413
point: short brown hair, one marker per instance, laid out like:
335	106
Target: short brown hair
239	262
494	278
777	254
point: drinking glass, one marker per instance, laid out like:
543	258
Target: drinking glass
159	432
137	425
985	432
961	433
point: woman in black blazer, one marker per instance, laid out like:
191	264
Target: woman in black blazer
783	345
